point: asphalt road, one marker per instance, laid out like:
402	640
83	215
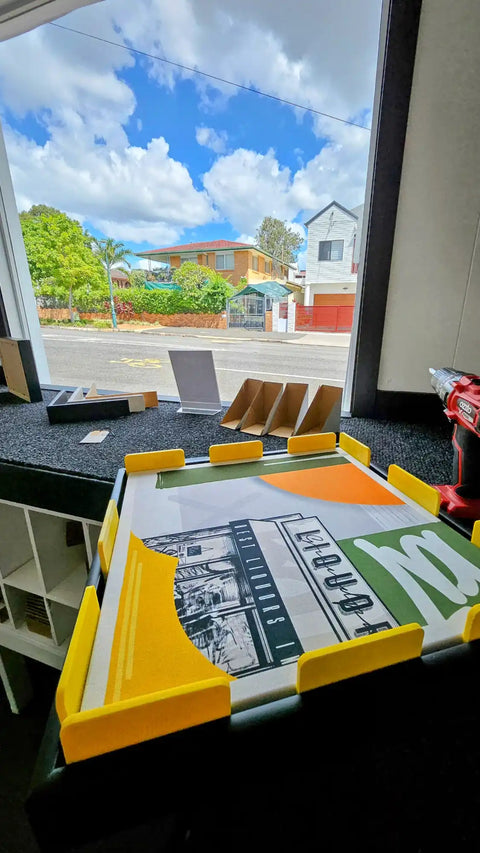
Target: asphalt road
135	361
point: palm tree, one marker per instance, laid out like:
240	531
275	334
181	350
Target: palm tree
111	254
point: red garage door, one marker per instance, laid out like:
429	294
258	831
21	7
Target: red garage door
324	318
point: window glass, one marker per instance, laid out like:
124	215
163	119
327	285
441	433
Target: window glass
255	262
330	250
225	262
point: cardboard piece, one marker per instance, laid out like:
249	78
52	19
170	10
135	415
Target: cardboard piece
291	410
19	368
150	397
237	410
323	414
62	410
196	380
262	409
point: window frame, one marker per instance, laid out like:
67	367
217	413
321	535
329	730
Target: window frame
330	244
225	255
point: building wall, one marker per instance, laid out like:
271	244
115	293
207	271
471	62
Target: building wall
334	224
243	266
433	305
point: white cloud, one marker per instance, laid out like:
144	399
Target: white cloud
131	194
307	53
209	138
245	186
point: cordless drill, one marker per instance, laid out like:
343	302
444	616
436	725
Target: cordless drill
460	394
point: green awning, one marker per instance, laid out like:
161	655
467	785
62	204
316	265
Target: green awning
265	288
161	285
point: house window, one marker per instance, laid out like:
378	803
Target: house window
225	262
184	259
255	262
268	266
330	250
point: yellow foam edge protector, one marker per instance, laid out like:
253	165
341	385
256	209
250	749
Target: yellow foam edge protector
107	537
355	448
311	443
356	657
471	630
71	683
420	492
101	730
236	451
476	533
155	460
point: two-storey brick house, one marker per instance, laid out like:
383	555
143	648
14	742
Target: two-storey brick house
232	260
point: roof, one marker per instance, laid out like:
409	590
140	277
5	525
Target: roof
265	288
332	203
118	274
213	246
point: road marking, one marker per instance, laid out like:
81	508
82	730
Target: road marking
151	363
277	373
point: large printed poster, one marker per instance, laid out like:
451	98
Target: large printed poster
302	555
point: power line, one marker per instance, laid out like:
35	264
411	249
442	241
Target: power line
210	76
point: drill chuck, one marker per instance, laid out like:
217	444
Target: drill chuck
444	380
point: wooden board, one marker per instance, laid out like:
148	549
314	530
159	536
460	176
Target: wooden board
19	369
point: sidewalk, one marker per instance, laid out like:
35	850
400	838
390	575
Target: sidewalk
330	339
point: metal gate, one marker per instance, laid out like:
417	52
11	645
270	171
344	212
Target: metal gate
246	312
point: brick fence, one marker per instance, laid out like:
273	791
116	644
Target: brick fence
199	321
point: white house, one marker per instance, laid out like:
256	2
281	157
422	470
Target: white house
333	242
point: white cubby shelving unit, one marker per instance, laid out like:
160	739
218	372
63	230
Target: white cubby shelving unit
44	561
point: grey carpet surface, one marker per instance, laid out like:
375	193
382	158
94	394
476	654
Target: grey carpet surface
28	438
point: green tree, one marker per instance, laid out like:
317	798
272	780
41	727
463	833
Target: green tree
278	239
111	254
205	286
58	253
137	278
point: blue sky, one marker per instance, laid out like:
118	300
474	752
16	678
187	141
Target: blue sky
152	154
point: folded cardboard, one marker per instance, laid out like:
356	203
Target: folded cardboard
62	410
323	414
19	369
291	410
260	413
150	397
237	410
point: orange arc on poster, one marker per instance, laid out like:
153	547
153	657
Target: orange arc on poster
339	483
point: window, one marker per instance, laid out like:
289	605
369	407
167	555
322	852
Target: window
330	250
255	262
225	262
184	259
268	266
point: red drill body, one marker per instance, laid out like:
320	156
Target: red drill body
460	394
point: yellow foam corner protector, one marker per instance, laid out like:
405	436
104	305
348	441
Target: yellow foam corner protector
476	533
311	443
471	630
236	451
108	533
155	460
355	448
71	684
358	656
420	492
95	732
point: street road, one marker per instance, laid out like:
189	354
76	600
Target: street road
135	361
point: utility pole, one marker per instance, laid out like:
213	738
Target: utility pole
112	304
